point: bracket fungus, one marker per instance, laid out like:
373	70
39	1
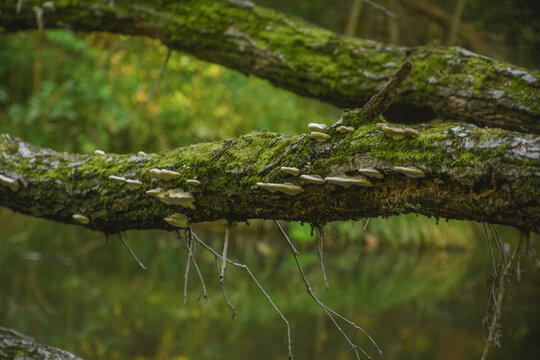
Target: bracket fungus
371	172
178	220
164	174
193	182
410	172
412	132
141	153
347	181
391	131
117	178
9	182
177	197
290	170
286	188
135	183
313	179
317	127
155	192
344	129
319	136
81	218
99	152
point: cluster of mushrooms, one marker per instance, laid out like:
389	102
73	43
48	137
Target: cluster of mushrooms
317	133
186	199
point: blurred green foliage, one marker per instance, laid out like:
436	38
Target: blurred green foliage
77	93
62	284
70	289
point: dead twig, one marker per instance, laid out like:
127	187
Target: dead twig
186	272
19	6
325	308
494	263
498	241
223	268
320	240
504	282
39	17
190	246
382	99
246	268
124	234
381	8
366	224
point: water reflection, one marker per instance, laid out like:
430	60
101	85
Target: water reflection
64	286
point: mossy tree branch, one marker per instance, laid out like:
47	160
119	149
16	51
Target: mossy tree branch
449	83
471	173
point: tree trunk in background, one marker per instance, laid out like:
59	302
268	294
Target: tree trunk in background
454	24
352	23
448	83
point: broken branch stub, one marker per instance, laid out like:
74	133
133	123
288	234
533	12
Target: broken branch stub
385	96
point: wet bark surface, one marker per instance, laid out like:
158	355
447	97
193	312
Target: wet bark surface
456	171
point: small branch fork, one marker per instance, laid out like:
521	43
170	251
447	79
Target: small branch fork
331	313
190	246
246	268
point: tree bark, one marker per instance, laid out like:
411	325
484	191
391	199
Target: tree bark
449	83
459	171
470	173
14	345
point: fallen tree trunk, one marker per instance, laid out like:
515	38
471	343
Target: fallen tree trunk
449	83
462	172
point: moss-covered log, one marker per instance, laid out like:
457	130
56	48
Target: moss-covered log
14	345
449	83
463	172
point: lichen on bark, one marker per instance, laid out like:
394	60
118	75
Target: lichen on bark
470	173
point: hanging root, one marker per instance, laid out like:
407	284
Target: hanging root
320	242
496	267
246	268
499	243
366	224
38	10
123	236
223	268
190	246
331	314
186	272
503	276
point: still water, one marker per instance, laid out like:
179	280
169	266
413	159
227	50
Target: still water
66	287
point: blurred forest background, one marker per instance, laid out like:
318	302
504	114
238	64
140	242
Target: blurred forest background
417	286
